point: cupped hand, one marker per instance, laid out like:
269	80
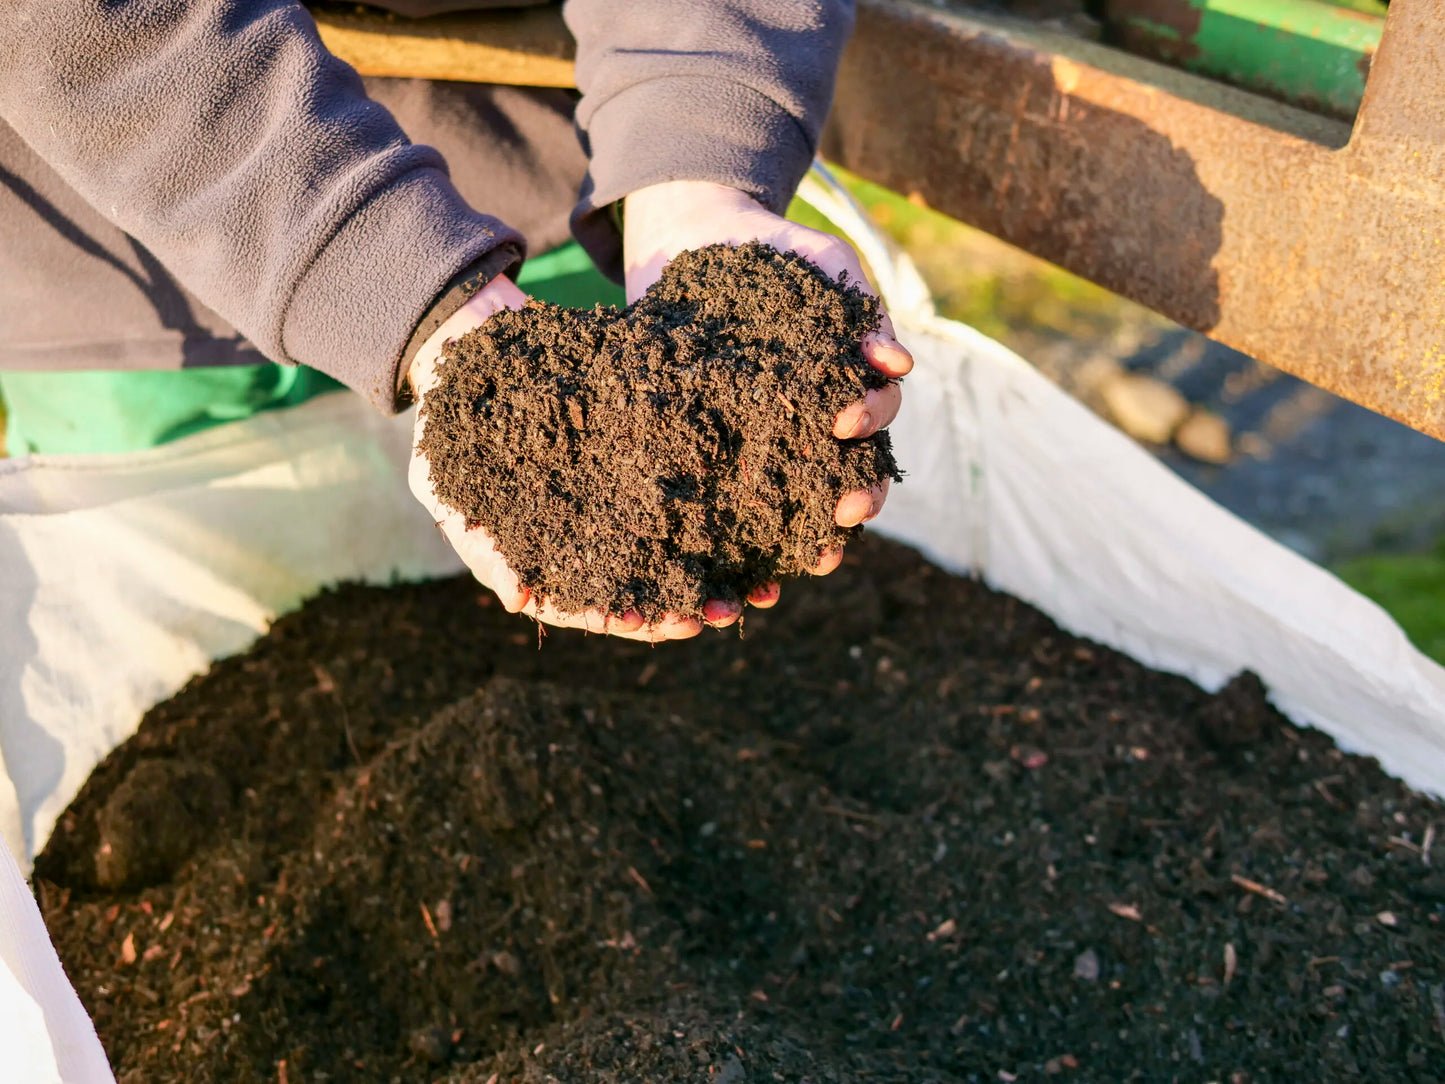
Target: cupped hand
665	219
476	548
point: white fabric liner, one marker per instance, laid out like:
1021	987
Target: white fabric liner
124	576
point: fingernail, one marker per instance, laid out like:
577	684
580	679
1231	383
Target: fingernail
865	424
716	611
764	596
889	353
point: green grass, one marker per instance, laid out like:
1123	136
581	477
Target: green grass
1411	587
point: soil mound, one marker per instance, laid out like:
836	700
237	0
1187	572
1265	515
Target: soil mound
906	831
679	450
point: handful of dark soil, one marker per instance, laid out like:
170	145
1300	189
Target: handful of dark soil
907	832
679	450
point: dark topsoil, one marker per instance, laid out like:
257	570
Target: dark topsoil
906	830
679	450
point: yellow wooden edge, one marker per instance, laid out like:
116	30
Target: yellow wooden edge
394	48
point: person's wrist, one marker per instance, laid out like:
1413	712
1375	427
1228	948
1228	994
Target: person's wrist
501	293
680	192
661	220
661	204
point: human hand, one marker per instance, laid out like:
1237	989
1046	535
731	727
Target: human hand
476	548
665	219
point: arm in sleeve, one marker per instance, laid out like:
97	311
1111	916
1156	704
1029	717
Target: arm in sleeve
227	140
732	92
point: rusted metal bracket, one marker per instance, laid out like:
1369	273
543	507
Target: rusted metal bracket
1291	237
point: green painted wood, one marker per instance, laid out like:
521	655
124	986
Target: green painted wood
1306	52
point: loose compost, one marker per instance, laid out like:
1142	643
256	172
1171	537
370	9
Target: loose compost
904	830
679	450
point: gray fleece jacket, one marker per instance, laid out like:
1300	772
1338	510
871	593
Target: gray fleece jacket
201	183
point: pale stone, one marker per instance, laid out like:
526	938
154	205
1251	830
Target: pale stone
1088	381
1145	408
1205	436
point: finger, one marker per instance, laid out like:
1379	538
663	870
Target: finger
720	614
853	508
540	609
880	496
643	633
875	411
501	578
652	634
513	597
883	350
670	627
830	560
766	596
593	621
861	505
673	627
629	621
662	631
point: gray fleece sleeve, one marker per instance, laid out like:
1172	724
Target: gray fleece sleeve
249	161
731	91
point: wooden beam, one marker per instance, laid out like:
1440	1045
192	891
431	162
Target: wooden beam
523	47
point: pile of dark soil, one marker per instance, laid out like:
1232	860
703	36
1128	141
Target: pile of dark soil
679	450
906	830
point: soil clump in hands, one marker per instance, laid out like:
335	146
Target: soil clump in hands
679	450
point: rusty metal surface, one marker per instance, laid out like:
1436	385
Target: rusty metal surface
1279	232
1282	234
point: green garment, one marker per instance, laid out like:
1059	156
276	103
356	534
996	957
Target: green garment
73	412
